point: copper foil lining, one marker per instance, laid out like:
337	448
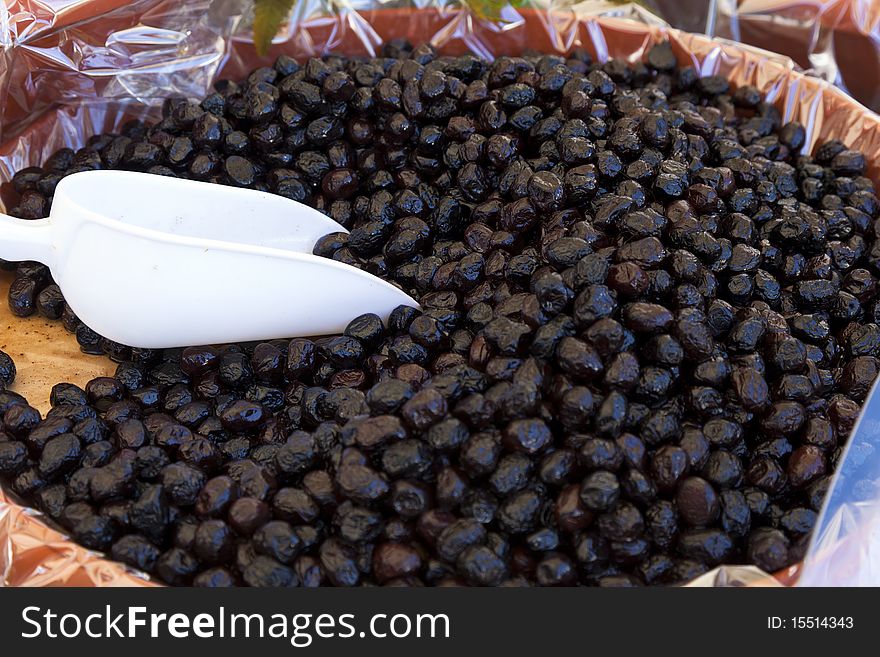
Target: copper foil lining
77	50
32	554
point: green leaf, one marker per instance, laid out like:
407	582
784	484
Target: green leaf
491	9
268	17
486	9
641	3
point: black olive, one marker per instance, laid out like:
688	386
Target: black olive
625	273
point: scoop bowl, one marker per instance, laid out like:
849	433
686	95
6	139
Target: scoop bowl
156	262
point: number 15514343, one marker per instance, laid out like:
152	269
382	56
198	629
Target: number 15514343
810	623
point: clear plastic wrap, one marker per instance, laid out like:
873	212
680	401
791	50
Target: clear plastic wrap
834	39
76	50
73	68
845	549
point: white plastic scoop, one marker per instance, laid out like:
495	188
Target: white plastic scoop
154	262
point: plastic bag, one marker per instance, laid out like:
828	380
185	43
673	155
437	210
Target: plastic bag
76	50
86	66
845	548
836	40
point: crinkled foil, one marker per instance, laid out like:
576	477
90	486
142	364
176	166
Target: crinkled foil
833	39
73	68
32	554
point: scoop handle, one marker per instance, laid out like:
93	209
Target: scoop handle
25	239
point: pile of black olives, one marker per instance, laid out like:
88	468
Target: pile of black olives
648	324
